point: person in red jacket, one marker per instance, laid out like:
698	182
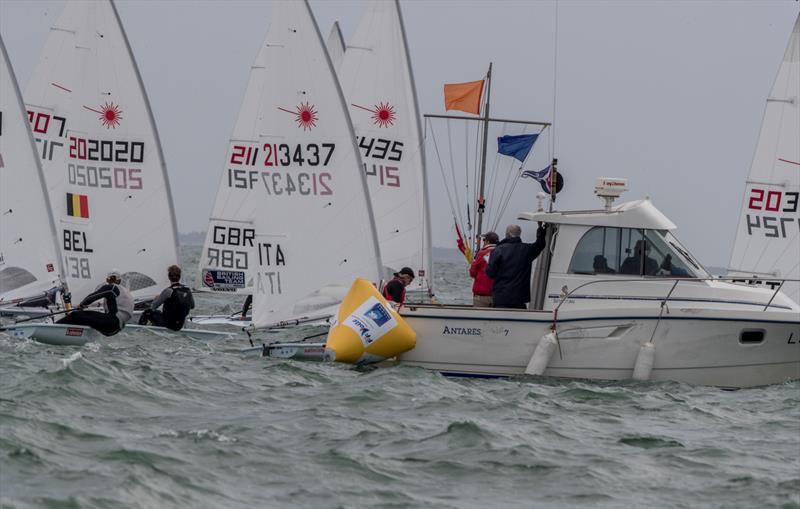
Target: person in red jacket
395	289
482	287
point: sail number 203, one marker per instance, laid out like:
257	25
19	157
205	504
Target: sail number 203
783	206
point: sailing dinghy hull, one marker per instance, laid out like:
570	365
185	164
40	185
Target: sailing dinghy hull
201	334
296	351
54	334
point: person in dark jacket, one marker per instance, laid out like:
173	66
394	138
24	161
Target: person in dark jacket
177	302
640	263
395	289
482	287
117	307
510	267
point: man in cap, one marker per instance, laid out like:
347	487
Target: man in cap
395	290
177	301
510	266
117	307
482	287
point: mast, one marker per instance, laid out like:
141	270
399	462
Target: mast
481	197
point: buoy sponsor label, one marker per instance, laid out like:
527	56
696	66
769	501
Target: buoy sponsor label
371	320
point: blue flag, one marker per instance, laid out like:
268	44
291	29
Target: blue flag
518	146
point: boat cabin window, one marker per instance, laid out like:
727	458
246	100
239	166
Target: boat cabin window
632	252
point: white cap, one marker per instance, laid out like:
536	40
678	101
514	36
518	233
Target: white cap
115	273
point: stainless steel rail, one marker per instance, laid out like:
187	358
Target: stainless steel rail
733	279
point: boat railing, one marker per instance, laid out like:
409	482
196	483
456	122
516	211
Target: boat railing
566	293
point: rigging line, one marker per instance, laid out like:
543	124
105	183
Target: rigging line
555	81
493	184
453	172
469	196
466	158
441	170
503	196
514	185
476	166
511	192
502	199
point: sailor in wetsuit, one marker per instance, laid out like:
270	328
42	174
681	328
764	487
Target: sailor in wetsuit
117	305
177	301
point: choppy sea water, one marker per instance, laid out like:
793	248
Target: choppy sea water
140	421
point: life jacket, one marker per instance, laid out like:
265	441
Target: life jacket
386	294
177	307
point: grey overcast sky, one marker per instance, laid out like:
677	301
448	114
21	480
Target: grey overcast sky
667	94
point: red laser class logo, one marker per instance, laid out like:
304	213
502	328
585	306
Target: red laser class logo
383	114
110	115
305	115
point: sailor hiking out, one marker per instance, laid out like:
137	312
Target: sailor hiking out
177	302
510	267
117	307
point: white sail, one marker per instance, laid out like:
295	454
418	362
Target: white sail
335	45
101	154
768	239
29	259
378	83
292	182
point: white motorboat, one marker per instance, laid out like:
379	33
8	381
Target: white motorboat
615	287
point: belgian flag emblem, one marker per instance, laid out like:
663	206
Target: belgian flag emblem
77	205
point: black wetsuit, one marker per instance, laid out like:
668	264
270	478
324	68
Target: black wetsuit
177	301
113	319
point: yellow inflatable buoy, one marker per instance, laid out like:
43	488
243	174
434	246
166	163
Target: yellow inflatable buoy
367	329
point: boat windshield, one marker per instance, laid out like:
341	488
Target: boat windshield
633	252
673	258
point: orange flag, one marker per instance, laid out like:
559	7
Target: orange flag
464	97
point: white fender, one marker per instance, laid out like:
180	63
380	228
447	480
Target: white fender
541	356
644	362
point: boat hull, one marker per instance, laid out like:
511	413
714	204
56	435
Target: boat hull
694	346
200	334
54	334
